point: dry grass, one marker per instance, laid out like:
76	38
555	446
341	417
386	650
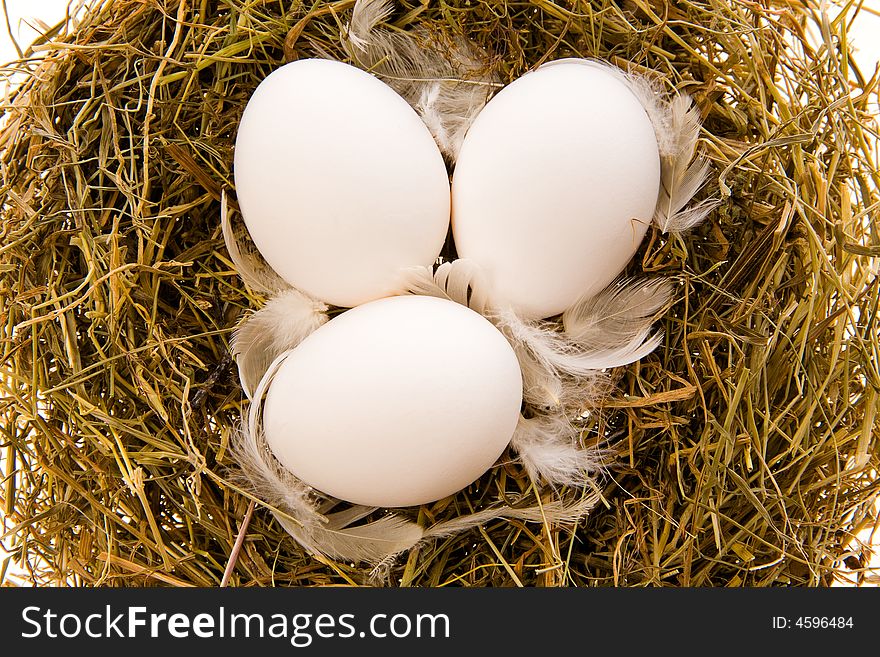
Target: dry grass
748	443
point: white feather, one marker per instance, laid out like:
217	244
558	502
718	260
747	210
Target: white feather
365	18
549	446
542	387
554	512
419	281
285	321
428	107
615	324
461	281
548	386
553	351
682	173
346	517
372	542
567	510
551	360
273	483
618	313
250	265
448	82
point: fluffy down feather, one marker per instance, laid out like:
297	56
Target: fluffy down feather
285	321
447	83
550	450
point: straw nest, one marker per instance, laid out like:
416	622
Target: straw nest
746	445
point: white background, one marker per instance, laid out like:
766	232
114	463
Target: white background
27	19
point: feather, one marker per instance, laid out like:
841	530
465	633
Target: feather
549	448
428	107
447	83
682	173
548	358
349	516
559	511
419	281
547	391
542	387
250	265
617	314
555	512
548	386
550	349
285	321
365	18
461	281
614	326
372	542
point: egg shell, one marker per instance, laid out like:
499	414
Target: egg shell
555	185
339	181
398	402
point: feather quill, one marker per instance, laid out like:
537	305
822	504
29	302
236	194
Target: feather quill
372	542
447	83
250	265
285	321
346	517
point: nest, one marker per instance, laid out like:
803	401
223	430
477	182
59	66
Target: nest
745	448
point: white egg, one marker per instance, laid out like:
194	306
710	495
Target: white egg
398	402
339	181
555	185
